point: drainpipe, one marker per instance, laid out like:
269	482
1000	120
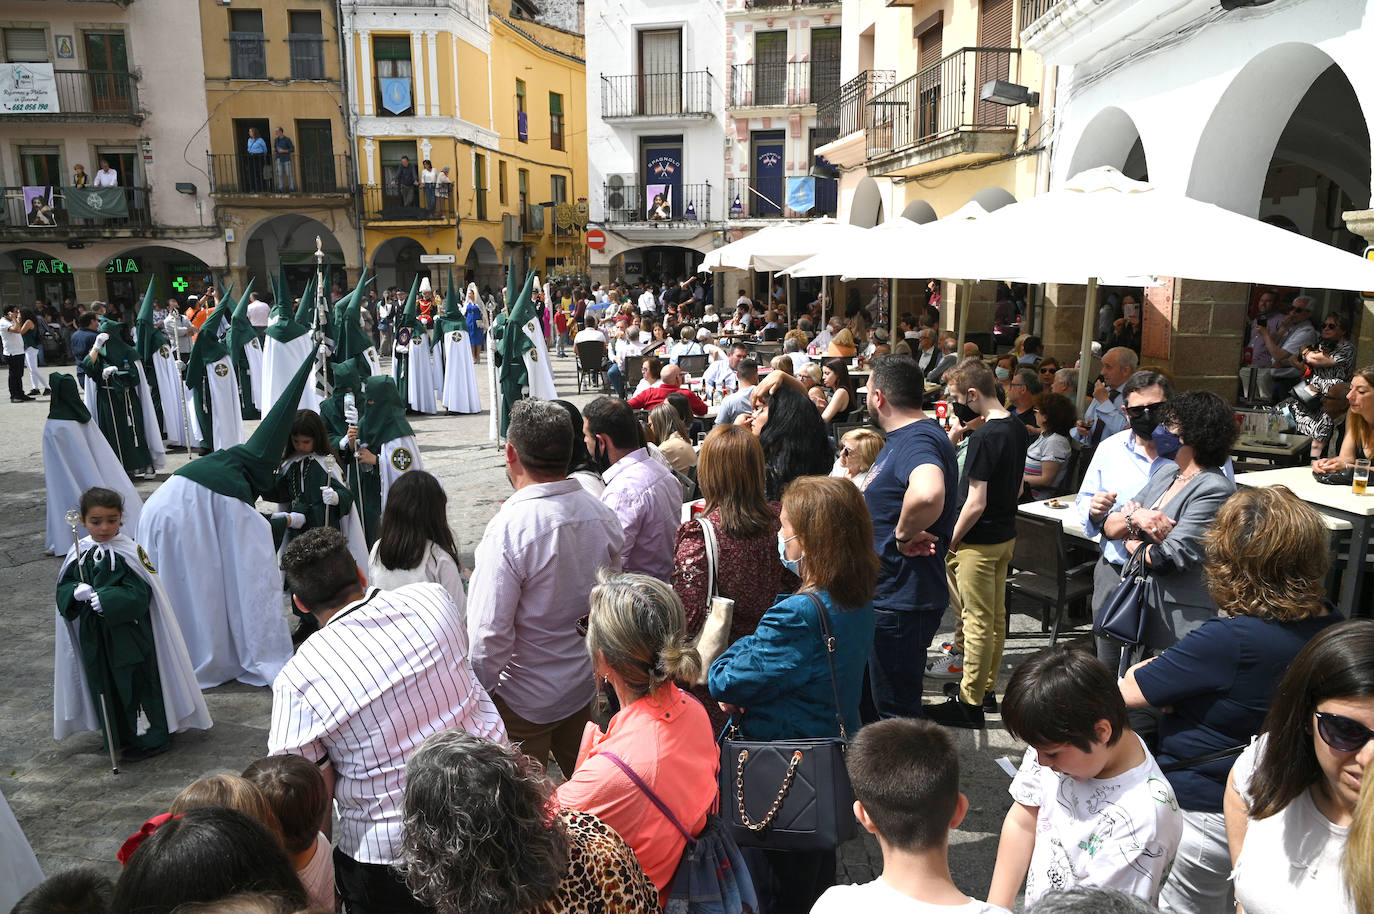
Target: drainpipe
355	178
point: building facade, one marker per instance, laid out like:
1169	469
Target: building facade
269	69
92	82
1260	109
494	98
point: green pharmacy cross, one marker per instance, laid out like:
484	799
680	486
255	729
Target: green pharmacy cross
180	284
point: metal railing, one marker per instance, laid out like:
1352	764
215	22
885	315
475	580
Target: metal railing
1032	10
786	4
654	203
298	174
307	56
247	55
656	94
940	100
18	213
110	93
845	110
750	198
388	203
799	82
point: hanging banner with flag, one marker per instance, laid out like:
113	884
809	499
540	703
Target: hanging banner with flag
395	93
95	202
801	194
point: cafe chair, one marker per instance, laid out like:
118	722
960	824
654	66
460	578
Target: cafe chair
694	365
591	362
1043	572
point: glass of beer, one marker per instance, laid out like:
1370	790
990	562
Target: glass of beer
1361	479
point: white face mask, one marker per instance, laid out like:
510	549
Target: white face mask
792	565
1003	374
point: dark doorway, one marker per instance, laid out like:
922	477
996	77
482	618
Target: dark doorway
255	171
767	165
107	59
315	152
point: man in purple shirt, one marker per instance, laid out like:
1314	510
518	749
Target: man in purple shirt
643	492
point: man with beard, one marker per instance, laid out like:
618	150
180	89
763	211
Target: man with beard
534	572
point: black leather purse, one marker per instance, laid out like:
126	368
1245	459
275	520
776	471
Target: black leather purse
790	794
1126	612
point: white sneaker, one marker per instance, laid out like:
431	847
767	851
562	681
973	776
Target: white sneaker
946	666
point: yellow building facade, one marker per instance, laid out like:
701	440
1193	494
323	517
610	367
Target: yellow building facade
497	101
280	151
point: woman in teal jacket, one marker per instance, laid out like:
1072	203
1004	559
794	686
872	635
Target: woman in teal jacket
776	682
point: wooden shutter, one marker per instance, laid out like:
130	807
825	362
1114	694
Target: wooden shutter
994	31
929	47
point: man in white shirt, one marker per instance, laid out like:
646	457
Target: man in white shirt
385	670
723	374
625	347
792	349
643	493
14	353
737	404
590	333
1104	416
259	313
106	176
535	569
648	302
823	338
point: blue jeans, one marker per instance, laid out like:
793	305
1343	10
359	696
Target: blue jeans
617	381
897	663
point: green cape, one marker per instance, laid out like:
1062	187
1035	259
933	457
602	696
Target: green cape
285	325
150	337
384	417
66	402
207	348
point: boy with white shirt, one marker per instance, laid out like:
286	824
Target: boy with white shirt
1092	807
905	773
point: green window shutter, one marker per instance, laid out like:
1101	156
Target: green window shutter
555	104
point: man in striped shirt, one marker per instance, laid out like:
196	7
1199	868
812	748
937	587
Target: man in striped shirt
387	669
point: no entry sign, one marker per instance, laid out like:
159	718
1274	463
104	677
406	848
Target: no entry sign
596	239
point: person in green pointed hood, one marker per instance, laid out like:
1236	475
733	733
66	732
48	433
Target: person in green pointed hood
76	457
458	393
288	340
411	365
217	554
160	368
217	419
384	431
117	391
360	465
511	345
246	353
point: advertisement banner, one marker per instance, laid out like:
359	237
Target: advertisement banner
28	88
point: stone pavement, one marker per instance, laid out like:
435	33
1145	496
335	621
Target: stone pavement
75	812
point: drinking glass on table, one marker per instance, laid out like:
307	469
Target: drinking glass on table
1361	478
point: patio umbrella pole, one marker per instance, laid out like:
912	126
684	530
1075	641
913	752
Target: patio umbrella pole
892	311
1086	344
965	297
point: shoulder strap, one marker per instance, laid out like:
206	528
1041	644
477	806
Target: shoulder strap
644	788
708	536
829	640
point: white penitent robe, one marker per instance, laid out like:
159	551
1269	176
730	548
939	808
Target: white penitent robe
279	363
460	375
76	457
538	365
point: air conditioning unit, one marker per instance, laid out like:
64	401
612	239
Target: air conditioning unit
618	190
510	229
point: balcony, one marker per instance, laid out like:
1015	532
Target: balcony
750	198
385	203
54	224
781	85
652	96
936	113
785	4
844	110
631	204
1031	10
89	96
304	176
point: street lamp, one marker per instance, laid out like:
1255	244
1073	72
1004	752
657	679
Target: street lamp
1000	92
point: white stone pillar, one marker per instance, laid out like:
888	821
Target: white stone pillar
351	69
431	41
370	154
416	69
453	76
365	54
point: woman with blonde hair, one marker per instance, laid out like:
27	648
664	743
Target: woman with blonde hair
777	682
1359	435
858	450
670	434
1359	852
1264	569
730	472
229	791
636	634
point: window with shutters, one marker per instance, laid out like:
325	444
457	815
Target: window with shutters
247	45
555	121
770	68
994	62
660	71
524	188
479	181
306	40
522	118
501	181
929	50
26	46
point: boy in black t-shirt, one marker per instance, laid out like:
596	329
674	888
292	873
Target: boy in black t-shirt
984	537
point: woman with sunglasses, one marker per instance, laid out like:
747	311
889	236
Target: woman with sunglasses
1291	795
1359	433
1330	362
1217	683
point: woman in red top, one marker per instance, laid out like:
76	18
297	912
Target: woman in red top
748	570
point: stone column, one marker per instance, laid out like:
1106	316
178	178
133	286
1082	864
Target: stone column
1208	336
416	69
431	38
365	56
90	285
1361	222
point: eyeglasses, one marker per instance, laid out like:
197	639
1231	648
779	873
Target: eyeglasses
1341	733
582	623
1048	370
846	451
1331	326
1151	409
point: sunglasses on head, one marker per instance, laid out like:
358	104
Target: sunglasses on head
1341	733
582	623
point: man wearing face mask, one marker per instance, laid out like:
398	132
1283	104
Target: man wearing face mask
1104	416
642	491
1120	467
534	572
911	498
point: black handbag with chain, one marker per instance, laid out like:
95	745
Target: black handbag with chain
790	794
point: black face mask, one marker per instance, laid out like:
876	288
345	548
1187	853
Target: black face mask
964	413
600	458
1144	425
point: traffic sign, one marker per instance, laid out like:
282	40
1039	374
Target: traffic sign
596	239
438	258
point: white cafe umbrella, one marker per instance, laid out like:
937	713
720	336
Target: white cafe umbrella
780	246
889	250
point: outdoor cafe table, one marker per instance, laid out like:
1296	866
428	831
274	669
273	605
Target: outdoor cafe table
1066	516
1336	502
1286	449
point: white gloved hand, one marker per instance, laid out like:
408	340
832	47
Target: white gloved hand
83	593
109	370
329	496
325	350
402	347
100	340
95	605
295	520
351	416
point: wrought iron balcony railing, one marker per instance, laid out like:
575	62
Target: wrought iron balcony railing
656	95
941	100
656	204
844	110
297	175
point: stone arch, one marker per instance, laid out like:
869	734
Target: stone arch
993	198
866	210
288	240
1111	138
920	212
483	265
396	262
1245	129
